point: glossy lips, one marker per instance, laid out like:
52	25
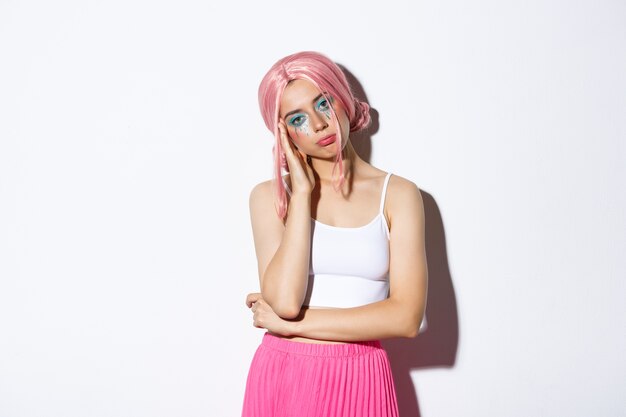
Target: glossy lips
327	140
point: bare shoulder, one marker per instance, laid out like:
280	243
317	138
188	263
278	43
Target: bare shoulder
261	193
400	188
263	207
265	189
404	200
262	199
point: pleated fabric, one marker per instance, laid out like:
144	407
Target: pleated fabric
297	379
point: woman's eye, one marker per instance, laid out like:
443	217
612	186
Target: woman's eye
296	121
323	105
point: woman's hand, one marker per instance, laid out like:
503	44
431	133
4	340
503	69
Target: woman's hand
301	173
264	316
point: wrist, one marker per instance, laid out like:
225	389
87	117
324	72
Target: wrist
299	205
301	195
291	328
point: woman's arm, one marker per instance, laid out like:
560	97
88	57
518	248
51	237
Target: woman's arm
399	315
381	320
282	251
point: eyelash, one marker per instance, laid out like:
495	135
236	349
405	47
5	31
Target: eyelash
293	121
323	100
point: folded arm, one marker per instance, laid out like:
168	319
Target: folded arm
399	315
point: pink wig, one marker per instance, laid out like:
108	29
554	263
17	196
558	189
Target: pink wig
328	78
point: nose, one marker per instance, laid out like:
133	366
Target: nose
319	122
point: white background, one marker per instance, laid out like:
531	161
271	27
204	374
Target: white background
130	137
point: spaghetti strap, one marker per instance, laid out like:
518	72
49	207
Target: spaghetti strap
384	193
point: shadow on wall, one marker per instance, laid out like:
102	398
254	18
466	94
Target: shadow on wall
437	344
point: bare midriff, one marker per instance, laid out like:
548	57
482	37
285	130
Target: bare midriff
309	340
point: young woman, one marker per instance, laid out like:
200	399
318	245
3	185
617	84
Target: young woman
340	250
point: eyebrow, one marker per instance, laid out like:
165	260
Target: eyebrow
298	110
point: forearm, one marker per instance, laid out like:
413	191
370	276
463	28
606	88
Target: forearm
380	320
284	283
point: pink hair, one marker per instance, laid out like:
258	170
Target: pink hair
328	78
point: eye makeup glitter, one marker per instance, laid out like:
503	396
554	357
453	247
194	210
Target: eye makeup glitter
300	121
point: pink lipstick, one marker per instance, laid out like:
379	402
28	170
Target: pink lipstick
327	140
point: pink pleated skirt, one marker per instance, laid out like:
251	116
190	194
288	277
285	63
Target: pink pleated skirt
297	379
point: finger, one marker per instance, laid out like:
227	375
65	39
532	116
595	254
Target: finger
249	299
282	130
252	298
282	126
287	144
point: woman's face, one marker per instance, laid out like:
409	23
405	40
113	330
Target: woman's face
307	115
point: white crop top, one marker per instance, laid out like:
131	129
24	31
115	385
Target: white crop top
349	265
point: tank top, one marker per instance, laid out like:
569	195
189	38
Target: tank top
349	266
